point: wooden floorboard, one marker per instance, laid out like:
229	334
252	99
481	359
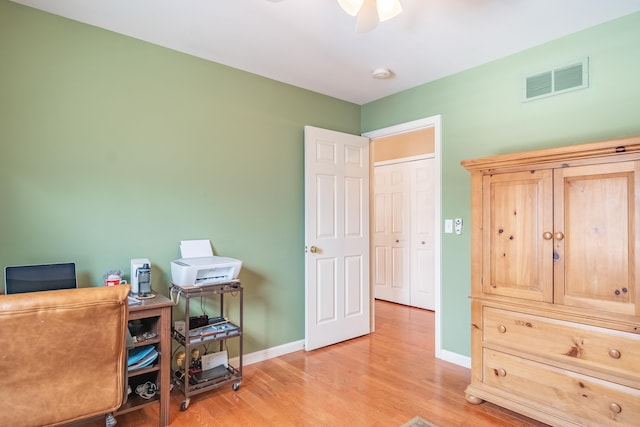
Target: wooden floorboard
383	379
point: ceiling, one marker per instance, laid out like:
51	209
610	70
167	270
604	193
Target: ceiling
313	44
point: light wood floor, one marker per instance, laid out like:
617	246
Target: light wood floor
383	379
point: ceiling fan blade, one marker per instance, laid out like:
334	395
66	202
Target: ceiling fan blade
387	9
351	6
367	17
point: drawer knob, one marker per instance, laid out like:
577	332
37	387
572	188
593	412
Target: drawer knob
547	235
558	235
615	353
502	329
503	373
615	408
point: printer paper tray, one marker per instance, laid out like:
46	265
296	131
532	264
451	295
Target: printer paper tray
208	287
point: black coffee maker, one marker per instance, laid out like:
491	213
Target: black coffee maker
143	274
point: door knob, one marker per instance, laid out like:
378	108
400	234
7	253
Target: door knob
558	235
547	235
314	249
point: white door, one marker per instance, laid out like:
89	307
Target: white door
337	294
404	228
422	234
391	238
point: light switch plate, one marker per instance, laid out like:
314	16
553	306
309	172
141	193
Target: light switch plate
448	226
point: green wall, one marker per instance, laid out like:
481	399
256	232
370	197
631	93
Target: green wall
113	148
483	114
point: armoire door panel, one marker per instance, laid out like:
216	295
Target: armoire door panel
596	217
517	212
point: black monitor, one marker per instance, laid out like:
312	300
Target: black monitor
44	277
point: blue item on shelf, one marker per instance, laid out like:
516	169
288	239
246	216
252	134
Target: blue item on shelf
138	353
146	361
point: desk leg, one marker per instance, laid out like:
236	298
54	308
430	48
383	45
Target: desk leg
165	366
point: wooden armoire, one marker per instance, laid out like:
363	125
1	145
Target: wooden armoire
555	272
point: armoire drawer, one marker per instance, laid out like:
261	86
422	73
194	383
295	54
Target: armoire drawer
577	398
590	347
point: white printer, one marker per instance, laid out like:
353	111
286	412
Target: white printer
198	271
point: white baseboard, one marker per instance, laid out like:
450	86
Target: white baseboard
455	358
270	353
283	349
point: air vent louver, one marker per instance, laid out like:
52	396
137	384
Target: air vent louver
540	84
567	77
558	80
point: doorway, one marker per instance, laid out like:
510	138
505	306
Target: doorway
433	123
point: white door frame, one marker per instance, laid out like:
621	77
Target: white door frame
435	123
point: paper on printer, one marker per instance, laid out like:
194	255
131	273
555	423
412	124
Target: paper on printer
200	271
195	248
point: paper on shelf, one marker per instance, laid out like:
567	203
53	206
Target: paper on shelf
195	248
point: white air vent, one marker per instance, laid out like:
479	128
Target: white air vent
556	81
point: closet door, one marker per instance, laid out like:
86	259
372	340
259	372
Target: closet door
404	210
391	243
422	234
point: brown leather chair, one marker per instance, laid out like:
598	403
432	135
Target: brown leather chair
62	355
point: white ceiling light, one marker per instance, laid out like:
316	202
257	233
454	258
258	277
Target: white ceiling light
381	73
370	12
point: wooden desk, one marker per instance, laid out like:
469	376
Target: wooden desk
155	316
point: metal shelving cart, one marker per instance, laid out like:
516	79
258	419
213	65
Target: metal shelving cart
217	332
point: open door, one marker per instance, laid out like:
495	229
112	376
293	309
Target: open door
337	290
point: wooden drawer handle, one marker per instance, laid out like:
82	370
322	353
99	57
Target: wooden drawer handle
615	408
615	353
502	329
501	372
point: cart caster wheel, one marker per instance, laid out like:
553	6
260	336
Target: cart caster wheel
185	405
236	386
